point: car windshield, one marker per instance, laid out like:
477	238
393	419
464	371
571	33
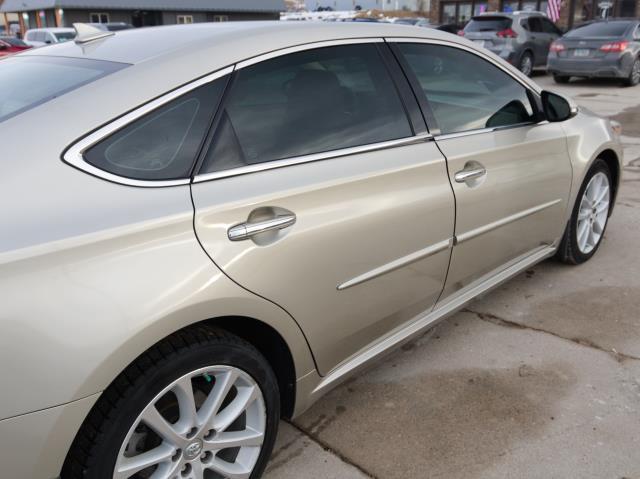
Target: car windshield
600	29
26	82
488	24
65	36
16	42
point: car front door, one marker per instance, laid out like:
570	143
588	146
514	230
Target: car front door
510	173
318	193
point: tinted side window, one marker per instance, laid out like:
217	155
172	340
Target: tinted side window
464	91
549	27
535	25
162	145
308	102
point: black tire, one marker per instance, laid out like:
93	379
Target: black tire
568	251
561	78
95	449
526	63
634	75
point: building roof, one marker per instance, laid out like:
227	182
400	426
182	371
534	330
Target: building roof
170	5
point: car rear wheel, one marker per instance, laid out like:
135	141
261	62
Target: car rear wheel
634	75
561	78
526	63
201	404
588	221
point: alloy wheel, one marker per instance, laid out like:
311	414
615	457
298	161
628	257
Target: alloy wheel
593	213
209	423
635	72
526	64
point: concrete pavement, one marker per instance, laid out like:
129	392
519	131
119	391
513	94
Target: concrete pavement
538	379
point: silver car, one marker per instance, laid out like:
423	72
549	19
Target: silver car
208	227
521	38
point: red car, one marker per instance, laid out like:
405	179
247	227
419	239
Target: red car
11	45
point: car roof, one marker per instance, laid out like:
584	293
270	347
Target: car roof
220	40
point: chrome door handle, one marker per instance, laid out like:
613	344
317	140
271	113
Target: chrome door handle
247	230
469	174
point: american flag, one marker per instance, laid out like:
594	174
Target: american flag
553	10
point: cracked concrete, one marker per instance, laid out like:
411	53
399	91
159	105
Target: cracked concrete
537	379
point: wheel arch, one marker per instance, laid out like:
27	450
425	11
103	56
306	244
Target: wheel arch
613	162
272	346
263	336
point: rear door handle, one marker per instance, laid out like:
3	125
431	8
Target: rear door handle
469	174
245	231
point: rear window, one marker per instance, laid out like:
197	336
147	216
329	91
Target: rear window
65	36
26	82
488	24
601	29
14	41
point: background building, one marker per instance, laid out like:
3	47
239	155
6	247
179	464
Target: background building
53	13
572	12
412	5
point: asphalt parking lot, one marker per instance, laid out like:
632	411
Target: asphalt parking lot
537	379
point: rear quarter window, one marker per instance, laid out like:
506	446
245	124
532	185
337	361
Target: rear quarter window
164	144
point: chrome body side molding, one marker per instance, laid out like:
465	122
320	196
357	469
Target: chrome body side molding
428	319
504	221
396	264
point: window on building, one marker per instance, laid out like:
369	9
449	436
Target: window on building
221	18
185	19
465	92
448	14
307	102
460	13
99	18
509	6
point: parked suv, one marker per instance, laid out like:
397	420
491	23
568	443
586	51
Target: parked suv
39	37
210	228
521	38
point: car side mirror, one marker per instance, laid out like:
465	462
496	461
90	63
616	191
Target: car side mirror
48	42
3	46
556	107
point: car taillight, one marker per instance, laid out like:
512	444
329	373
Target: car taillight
461	33
557	47
614	47
507	33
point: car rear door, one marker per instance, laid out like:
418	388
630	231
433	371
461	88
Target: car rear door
322	191
511	174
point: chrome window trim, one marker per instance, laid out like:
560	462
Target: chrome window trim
299	160
493	129
305	46
529	86
74	155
